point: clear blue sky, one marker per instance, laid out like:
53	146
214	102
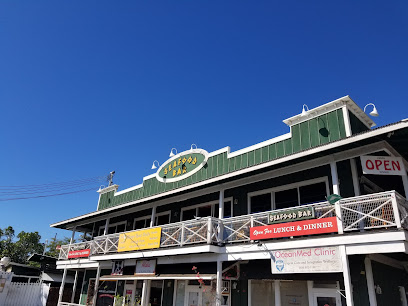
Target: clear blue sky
87	87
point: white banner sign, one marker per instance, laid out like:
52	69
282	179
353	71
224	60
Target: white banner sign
383	165
146	266
313	260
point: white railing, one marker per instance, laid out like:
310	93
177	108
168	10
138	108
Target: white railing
379	210
203	230
65	249
69	304
237	229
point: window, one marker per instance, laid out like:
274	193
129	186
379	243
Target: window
206	210
306	192
286	198
113	228
140	223
261	202
144	222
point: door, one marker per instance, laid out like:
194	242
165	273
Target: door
193	296
326	297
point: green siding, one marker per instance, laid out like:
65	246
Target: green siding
308	134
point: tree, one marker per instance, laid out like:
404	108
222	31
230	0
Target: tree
21	249
54	243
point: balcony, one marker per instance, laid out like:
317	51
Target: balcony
384	210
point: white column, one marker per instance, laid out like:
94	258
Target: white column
277	293
370	282
221	205
354	175
219	283
310	292
346	276
145	292
61	290
105	232
335	178
153	216
98	274
221	215
73	235
74	288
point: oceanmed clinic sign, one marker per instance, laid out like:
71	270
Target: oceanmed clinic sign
298	228
312	260
382	165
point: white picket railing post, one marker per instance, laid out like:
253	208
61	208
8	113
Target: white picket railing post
337	208
182	235
209	230
395	208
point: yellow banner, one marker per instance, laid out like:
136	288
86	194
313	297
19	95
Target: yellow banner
140	240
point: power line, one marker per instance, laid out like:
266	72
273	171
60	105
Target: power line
23	192
79	181
45	196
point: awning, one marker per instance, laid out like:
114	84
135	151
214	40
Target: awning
157	277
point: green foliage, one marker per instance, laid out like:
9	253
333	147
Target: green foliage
53	244
19	250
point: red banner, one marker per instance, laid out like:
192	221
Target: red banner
298	228
79	253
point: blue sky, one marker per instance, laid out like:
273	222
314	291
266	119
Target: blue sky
87	87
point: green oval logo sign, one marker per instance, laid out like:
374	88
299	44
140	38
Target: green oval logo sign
182	165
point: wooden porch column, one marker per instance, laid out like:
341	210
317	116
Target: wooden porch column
61	290
277	293
73	235
98	275
335	178
75	285
370	282
346	276
152	219
105	232
219	283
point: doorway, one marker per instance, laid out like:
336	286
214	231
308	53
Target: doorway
326	297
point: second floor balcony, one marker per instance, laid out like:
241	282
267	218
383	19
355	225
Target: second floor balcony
386	210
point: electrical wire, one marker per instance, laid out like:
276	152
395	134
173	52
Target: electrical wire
45	196
22	192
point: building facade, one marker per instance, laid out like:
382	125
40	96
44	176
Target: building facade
317	216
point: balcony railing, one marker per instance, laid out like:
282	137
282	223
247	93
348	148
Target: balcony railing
65	249
374	211
203	230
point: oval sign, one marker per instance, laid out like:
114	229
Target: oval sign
182	165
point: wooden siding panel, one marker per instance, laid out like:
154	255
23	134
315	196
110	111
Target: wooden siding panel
244	160
333	126
304	135
314	132
342	127
323	129
288	146
296	138
265	154
251	158
272	151
280	149
258	156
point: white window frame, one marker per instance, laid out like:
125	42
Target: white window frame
149	218
212	203
273	190
111	225
163	213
